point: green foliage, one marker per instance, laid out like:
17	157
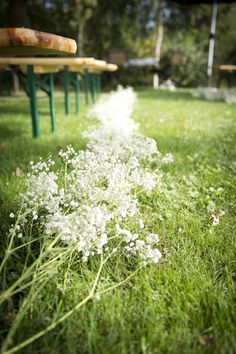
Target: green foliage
225	50
131	25
191	70
81	11
131	76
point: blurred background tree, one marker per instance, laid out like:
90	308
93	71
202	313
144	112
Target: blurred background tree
131	25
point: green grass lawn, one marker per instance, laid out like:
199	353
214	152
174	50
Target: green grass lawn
185	304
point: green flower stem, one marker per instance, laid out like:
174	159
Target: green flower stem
27	272
64	317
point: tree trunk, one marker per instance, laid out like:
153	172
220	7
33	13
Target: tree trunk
158	43
80	40
15	82
17	14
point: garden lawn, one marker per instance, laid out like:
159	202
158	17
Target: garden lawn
184	304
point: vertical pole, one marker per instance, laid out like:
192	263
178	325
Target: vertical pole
77	89
212	42
51	99
66	89
159	40
15	82
33	100
86	86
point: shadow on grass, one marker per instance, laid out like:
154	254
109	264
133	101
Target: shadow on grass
9	110
9	130
164	95
17	147
18	152
179	95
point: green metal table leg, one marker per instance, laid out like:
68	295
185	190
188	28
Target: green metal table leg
51	100
86	86
33	100
99	83
77	89
92	87
66	89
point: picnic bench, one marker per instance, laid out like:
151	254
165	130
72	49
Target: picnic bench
36	73
90	69
226	72
24	41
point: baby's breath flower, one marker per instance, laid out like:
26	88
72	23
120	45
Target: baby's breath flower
98	202
141	224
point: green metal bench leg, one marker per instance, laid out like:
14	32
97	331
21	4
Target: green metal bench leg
231	80
52	106
66	89
33	100
97	84
219	80
77	89
94	78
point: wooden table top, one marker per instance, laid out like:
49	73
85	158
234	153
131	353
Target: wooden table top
25	41
226	67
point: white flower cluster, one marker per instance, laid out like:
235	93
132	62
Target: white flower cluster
215	94
168	85
92	202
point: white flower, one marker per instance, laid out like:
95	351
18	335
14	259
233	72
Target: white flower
168	158
141	224
12	215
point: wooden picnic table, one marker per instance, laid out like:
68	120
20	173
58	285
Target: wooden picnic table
25	41
226	71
